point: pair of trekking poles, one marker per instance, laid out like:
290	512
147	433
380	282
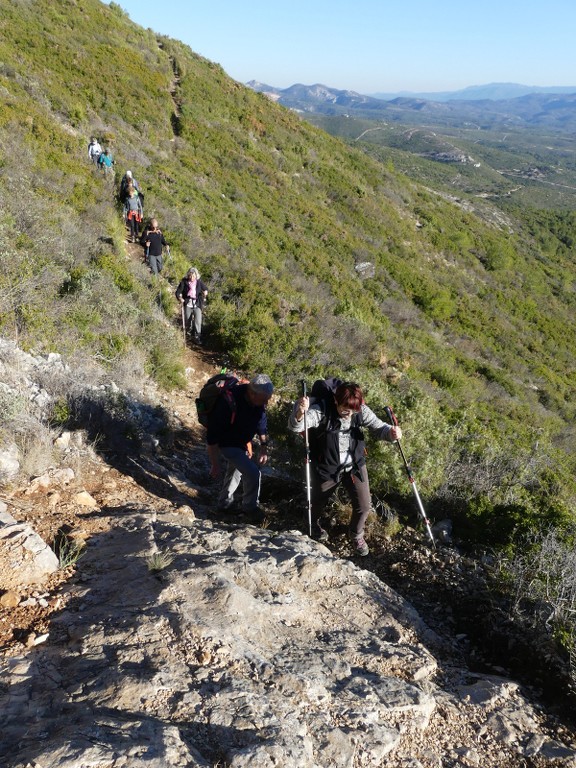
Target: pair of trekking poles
393	422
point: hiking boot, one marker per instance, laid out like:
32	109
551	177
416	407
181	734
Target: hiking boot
227	508
360	546
255	515
319	533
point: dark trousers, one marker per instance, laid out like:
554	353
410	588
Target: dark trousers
134	226
358	490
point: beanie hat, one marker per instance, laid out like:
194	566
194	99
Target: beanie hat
261	383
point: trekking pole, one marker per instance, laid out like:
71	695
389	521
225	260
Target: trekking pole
394	421
183	322
307	444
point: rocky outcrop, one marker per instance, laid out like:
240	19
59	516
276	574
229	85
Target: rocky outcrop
187	641
24	557
248	648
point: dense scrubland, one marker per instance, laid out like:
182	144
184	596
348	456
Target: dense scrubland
321	256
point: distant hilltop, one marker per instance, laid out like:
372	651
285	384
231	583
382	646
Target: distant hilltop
499	104
491	91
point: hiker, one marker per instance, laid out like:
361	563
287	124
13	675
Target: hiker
230	433
335	420
105	161
94	151
154	243
192	293
133	212
127	180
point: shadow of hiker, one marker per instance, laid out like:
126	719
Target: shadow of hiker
120	673
111	590
106	680
137	439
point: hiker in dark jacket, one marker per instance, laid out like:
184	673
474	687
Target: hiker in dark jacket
229	437
133	212
192	293
337	453
154	243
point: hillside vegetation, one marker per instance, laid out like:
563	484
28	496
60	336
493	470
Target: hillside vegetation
320	260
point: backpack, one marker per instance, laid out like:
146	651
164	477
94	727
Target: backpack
324	389
217	386
323	392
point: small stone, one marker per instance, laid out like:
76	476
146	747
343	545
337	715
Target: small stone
204	657
63	441
53	499
84	499
10	599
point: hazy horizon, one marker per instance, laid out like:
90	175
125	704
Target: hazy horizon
369	48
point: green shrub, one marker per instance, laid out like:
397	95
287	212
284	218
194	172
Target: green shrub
165	367
118	269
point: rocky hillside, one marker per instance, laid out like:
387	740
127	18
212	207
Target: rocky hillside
136	626
180	638
320	259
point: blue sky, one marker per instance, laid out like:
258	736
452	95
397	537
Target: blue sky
374	46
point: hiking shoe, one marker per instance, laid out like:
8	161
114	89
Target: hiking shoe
255	515
320	534
360	546
227	508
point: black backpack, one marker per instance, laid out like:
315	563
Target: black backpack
217	386
323	391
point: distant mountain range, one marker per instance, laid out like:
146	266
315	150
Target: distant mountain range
498	104
492	91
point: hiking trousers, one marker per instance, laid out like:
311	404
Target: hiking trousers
357	488
240	468
155	262
193	318
134	225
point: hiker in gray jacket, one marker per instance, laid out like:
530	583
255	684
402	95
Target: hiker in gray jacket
133	212
335	424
